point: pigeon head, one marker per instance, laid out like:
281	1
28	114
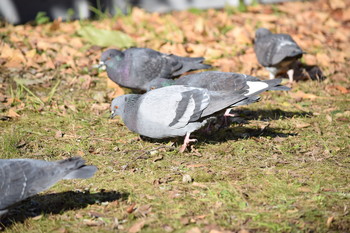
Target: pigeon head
261	32
111	56
117	105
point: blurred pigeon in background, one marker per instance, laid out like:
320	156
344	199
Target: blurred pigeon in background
276	52
135	68
22	178
179	110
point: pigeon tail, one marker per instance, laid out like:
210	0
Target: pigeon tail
275	85
249	100
77	168
3	212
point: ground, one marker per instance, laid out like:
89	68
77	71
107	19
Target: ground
284	168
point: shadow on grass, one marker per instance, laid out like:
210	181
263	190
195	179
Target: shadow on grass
272	114
56	203
219	133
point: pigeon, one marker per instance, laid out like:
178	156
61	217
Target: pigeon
278	53
22	178
134	68
221	81
179	110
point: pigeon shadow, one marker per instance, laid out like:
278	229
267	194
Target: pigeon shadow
56	203
240	131
271	114
303	72
218	132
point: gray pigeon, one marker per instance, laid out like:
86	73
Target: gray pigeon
135	67
223	82
22	178
179	110
278	53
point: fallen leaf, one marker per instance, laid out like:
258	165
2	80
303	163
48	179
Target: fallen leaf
194	230
105	38
56	24
302	125
137	226
92	223
244	231
329	221
59	134
304	189
12	113
131	208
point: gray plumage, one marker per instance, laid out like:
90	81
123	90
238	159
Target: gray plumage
218	81
135	67
179	110
276	52
22	178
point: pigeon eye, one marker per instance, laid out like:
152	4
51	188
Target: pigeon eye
116	107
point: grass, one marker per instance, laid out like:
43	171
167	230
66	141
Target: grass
281	179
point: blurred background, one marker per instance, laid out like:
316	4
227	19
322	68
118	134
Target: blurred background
20	11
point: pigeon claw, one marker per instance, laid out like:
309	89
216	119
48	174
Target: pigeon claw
186	142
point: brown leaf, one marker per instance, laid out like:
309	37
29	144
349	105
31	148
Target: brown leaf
323	59
342	89
215	231
131	208
12	113
302	125
137	226
93	223
144	210
56	24
244	231
59	134
304	189
329	221
336	4
302	95
194	230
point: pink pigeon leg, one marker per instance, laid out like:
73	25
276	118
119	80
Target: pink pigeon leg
290	74
228	114
186	142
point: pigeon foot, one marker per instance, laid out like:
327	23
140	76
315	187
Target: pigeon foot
290	74
228	114
186	142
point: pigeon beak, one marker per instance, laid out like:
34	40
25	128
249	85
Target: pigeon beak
102	65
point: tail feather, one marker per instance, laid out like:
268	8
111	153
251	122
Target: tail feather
81	173
249	100
274	85
77	168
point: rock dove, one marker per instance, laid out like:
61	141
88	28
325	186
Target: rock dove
135	67
276	52
22	178
179	110
221	81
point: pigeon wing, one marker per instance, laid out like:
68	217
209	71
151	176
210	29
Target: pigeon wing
173	106
152	64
